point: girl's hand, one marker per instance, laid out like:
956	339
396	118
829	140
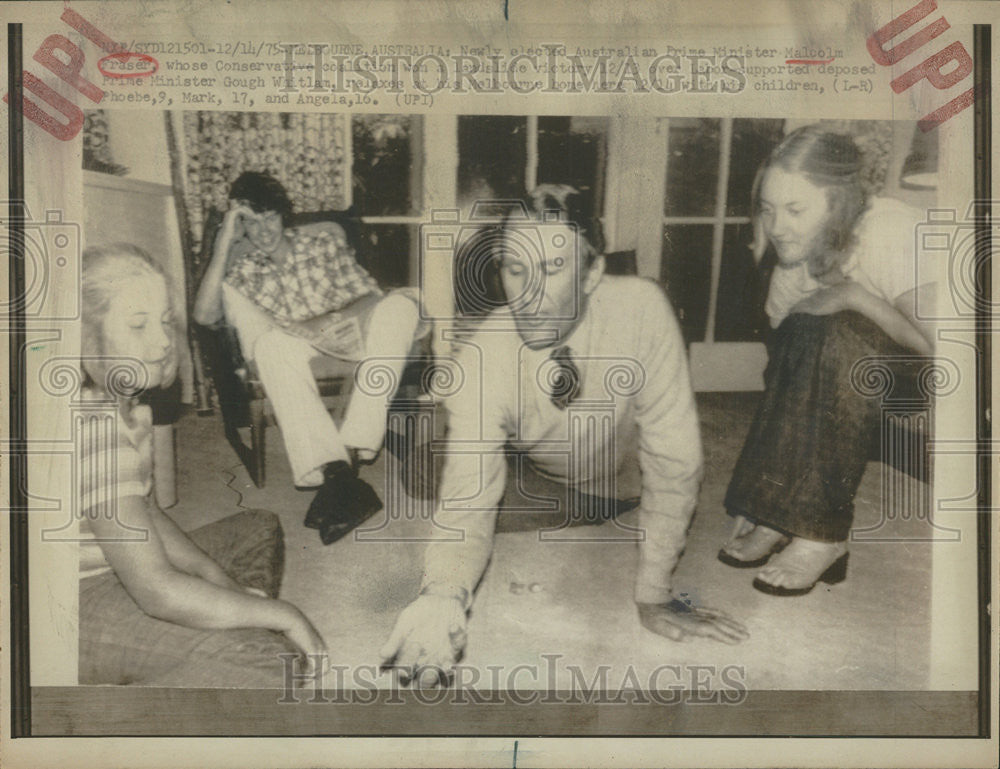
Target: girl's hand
826	301
300	631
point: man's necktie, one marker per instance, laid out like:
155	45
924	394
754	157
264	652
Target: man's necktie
565	380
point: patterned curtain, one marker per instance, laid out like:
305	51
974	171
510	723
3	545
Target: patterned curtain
874	140
307	153
97	143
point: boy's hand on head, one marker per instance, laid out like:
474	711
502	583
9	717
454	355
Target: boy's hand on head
233	236
233	223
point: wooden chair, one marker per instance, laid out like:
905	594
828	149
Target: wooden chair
335	380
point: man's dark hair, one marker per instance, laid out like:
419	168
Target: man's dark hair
262	192
574	208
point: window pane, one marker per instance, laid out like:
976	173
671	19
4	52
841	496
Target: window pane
572	151
692	166
739	315
686	273
491	156
753	140
383	173
385	252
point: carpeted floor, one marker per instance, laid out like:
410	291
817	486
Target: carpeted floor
563	610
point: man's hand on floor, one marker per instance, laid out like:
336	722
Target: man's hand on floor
427	640
679	621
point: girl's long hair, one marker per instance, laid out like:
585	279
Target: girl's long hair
833	162
103	268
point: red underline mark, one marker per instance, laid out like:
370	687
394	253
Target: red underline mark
808	61
124	56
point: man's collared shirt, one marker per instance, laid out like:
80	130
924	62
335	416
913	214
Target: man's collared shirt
316	274
259	294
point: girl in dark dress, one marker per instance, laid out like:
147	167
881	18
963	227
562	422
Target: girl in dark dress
844	289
